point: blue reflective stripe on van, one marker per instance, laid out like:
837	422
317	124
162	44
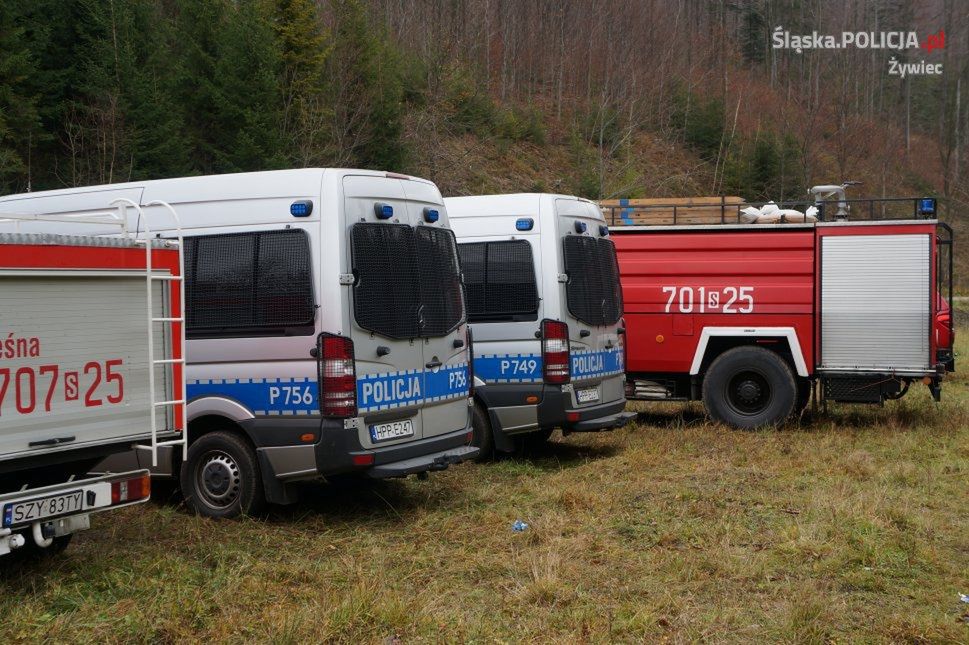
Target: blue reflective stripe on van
262	396
299	396
527	368
597	364
508	368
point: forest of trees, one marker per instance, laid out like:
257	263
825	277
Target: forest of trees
97	91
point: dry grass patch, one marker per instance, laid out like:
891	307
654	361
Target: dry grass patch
847	527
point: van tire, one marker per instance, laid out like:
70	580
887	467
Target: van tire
749	387
483	436
221	477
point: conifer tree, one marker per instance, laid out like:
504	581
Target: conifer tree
19	121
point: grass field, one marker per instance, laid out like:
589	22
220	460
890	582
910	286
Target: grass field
851	527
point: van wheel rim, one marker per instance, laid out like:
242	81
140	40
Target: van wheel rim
749	393
219	480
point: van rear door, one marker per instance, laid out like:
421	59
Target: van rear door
383	314
442	315
592	303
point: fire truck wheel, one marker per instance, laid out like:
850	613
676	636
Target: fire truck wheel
221	477
749	387
482	435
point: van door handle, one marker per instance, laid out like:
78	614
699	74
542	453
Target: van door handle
51	442
433	364
383	350
584	333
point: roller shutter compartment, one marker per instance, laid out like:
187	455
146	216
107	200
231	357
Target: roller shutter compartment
875	303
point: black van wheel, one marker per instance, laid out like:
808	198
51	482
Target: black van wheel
221	477
482	436
749	387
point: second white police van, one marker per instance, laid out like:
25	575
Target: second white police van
326	328
545	305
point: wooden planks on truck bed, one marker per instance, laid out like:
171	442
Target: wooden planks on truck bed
672	210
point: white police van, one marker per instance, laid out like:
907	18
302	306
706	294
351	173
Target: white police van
545	305
326	329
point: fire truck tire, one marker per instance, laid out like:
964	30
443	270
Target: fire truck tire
482	435
221	477
749	387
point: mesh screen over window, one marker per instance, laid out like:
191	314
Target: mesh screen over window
593	291
259	282
499	279
407	280
385	294
442	307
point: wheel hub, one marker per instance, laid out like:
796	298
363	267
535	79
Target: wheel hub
219	479
749	391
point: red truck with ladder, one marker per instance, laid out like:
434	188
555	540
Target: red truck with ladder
753	319
91	365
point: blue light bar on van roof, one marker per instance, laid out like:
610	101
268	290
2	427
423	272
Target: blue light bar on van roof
383	211
524	224
927	206
302	208
580	227
603	230
431	215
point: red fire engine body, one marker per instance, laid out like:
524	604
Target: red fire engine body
748	317
91	361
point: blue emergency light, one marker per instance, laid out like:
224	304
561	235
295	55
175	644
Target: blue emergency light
927	206
301	209
603	230
431	215
580	227
383	211
524	224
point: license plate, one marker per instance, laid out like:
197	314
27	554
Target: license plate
391	430
588	395
40	509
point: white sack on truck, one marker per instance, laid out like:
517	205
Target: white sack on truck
770	213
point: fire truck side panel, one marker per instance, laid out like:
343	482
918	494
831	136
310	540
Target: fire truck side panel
678	282
876	297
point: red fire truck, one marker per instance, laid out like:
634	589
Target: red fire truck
91	338
753	319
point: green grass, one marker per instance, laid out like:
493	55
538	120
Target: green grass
851	527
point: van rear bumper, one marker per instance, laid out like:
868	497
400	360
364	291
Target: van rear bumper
601	423
556	410
424	463
423	455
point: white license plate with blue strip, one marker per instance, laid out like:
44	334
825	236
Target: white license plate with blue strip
33	510
391	430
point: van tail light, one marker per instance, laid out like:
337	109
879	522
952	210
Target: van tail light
470	362
555	352
131	490
338	376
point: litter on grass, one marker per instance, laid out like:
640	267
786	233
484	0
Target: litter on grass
519	526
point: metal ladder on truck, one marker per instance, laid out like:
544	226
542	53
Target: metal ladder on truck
179	399
118	219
